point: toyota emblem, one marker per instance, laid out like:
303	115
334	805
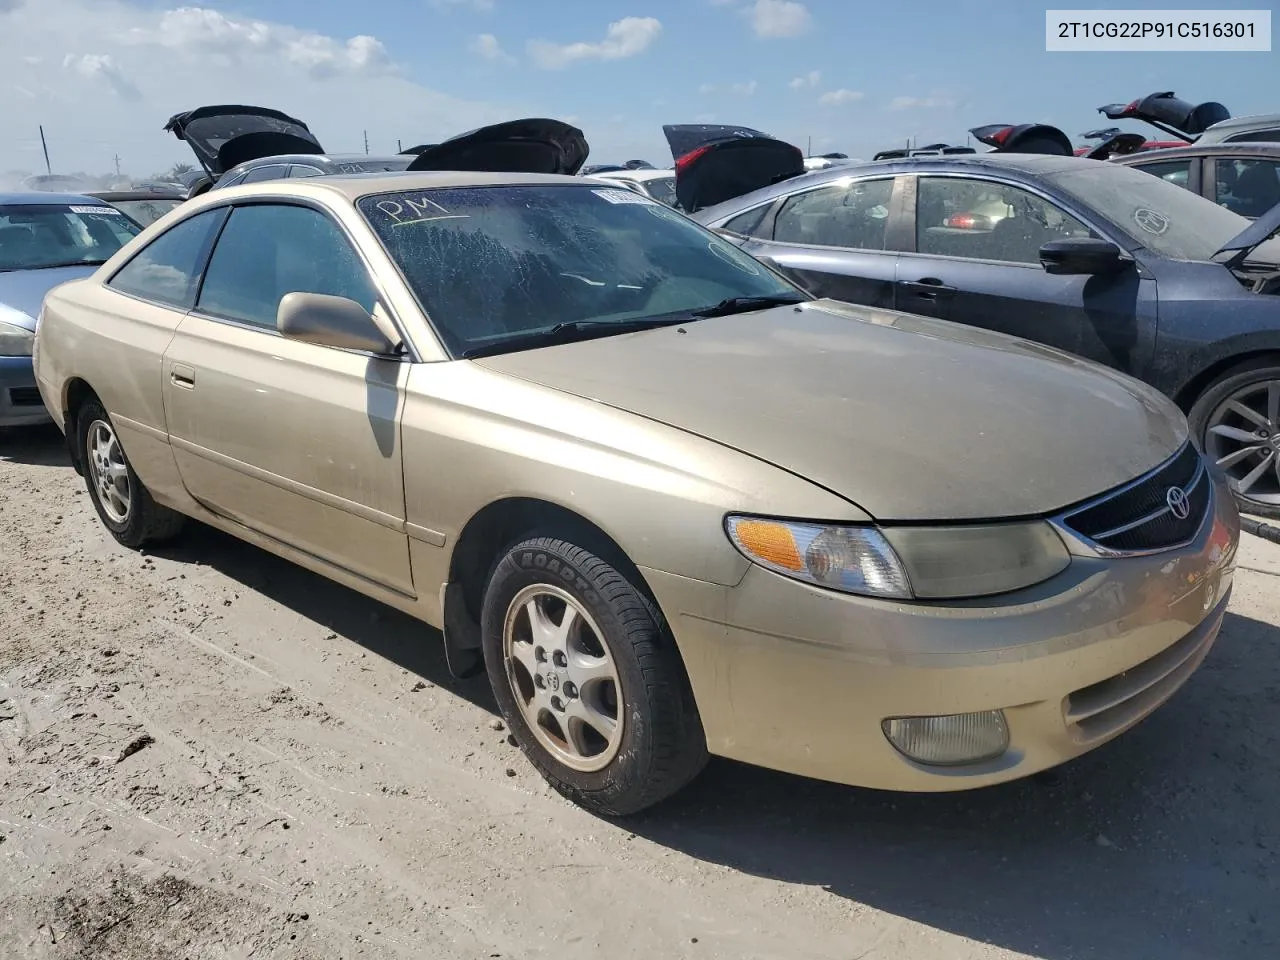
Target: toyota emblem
1178	501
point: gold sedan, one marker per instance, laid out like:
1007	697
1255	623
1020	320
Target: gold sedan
673	505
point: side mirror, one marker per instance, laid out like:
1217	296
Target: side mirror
1088	256
335	322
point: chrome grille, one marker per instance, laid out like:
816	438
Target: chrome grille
1140	516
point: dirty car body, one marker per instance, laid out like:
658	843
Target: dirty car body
673	505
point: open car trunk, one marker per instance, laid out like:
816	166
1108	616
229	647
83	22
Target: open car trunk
1024	138
515	146
716	162
225	135
1166	112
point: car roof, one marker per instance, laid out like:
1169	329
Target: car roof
1239	123
138	194
353	186
36	197
1242	148
640	175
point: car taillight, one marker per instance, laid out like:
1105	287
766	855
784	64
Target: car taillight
1132	106
691	157
968	221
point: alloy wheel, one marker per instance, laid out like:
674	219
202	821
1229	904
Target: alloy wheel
563	677
108	471
1243	439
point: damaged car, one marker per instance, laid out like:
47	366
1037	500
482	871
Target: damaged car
238	143
1095	258
650	487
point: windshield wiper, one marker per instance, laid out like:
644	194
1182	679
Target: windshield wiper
570	331
67	263
747	304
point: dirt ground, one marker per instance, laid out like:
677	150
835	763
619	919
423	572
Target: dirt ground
208	752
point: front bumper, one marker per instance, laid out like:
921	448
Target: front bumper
799	679
20	401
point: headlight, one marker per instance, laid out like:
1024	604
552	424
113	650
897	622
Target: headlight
926	563
15	341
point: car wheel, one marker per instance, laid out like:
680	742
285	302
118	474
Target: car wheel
1236	423
588	678
124	505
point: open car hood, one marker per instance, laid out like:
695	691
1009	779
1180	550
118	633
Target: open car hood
225	135
516	146
1024	138
1166	112
1251	237
716	162
1118	145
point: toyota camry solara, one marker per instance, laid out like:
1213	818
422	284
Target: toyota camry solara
672	505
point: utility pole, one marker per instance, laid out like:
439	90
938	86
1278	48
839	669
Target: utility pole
117	164
44	143
809	151
366	143
399	146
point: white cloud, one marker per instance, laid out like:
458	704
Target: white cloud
624	38
100	68
810	79
779	18
103	76
198	30
840	97
487	47
921	103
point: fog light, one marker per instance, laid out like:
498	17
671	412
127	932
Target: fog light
948	741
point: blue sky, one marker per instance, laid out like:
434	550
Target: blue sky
866	76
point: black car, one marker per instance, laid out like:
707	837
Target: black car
237	143
1094	258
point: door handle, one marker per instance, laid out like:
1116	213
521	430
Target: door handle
182	376
929	288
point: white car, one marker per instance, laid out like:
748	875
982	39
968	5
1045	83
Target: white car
658	185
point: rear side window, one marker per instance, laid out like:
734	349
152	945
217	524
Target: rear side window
1177	172
748	224
272	171
1258	136
851	215
268	250
167	269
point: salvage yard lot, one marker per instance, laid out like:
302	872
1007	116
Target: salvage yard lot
207	752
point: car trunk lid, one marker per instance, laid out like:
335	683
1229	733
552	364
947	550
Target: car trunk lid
717	162
533	145
225	135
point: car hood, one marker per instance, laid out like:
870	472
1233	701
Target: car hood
24	290
907	417
516	146
715	162
226	135
1251	237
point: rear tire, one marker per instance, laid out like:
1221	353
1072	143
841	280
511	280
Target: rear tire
1236	423
588	678
124	505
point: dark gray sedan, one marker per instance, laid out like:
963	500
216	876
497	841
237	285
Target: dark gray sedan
1097	259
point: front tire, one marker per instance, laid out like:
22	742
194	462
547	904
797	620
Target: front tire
124	505
588	678
1236	422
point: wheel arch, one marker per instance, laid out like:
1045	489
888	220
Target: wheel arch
75	393
1191	391
480	544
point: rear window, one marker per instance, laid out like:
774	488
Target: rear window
489	263
40	236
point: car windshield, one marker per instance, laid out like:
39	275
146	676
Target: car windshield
1164	218
500	263
146	211
37	236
